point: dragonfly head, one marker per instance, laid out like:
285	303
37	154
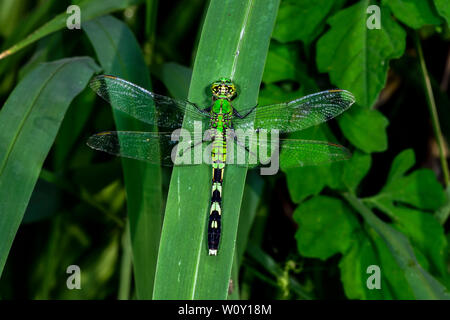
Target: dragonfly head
223	89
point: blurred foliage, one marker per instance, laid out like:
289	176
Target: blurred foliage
305	233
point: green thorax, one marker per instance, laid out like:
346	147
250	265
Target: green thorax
221	114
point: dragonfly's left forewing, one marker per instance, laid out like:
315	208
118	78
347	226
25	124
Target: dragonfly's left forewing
256	150
299	114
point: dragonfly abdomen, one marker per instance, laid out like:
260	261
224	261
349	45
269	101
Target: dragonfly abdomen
218	155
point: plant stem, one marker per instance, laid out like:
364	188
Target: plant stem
126	266
432	108
52	178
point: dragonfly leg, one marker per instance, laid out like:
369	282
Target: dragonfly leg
205	111
237	114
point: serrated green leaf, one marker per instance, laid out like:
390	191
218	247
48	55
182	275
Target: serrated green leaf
444	211
353	266
283	64
443	8
391	270
305	181
420	189
325	228
423	285
404	161
350	173
301	20
365	128
357	58
30	120
414	13
422	229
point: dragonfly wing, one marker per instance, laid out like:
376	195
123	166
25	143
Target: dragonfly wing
253	150
137	102
298	114
154	147
299	153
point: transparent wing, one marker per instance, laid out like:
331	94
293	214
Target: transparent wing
256	151
154	147
298	114
136	101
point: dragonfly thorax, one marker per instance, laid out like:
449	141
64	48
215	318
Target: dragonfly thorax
222	106
221	114
224	88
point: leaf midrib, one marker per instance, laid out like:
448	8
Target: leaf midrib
244	23
24	119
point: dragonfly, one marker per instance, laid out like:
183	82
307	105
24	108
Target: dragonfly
222	121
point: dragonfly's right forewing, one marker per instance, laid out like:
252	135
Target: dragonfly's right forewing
147	106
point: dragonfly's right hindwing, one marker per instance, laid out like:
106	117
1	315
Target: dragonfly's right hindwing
165	148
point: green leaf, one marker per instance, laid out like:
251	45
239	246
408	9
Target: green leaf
272	93
325	228
365	128
353	266
120	55
444	211
45	202
404	161
283	64
71	127
357	58
301	20
391	269
184	270
11	12
424	231
420	189
30	120
443	8
89	10
305	181
176	78
250	202
414	13
347	175
271	266
422	283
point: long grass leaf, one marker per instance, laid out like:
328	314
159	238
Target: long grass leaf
119	54
237	49
29	121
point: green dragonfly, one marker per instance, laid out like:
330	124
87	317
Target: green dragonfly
223	123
